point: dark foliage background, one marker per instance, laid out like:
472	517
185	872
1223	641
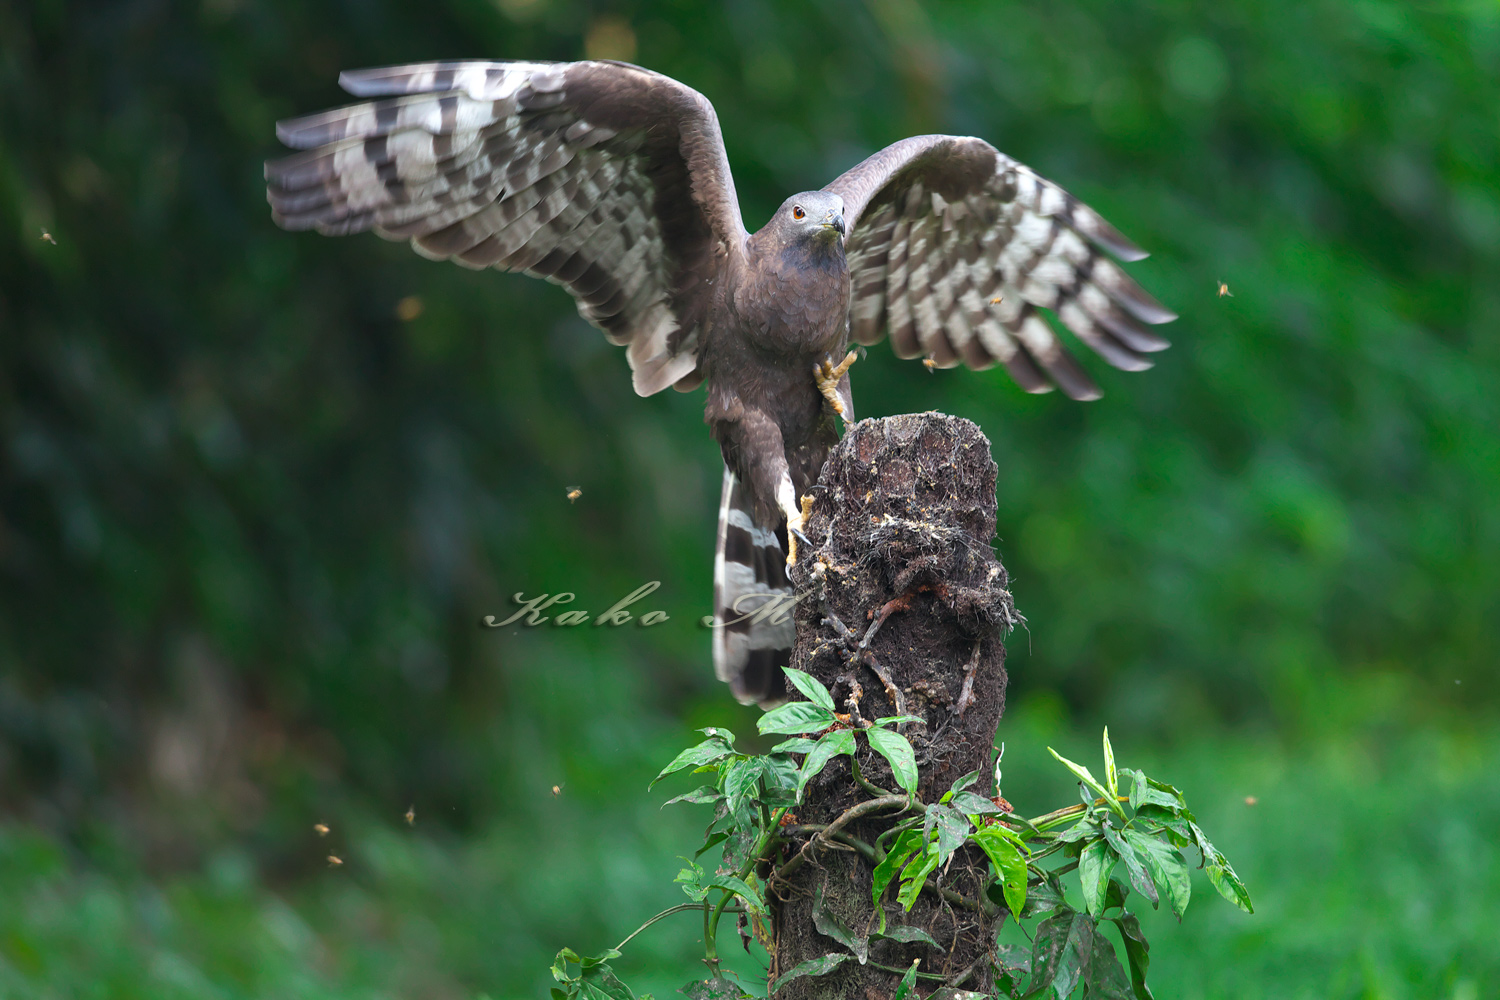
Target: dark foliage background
257	488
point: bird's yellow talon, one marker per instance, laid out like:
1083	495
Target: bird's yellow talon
828	375
794	523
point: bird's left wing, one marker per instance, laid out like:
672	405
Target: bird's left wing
954	247
605	178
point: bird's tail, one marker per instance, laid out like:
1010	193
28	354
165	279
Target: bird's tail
753	602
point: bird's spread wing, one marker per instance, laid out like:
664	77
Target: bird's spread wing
954	247
605	178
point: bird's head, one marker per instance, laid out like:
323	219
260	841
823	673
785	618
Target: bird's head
815	217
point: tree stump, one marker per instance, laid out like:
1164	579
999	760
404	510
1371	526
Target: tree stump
905	613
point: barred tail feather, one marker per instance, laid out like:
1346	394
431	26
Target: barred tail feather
753	622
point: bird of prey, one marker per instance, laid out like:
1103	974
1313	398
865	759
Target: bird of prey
613	181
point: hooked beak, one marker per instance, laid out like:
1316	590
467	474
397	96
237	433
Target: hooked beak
834	221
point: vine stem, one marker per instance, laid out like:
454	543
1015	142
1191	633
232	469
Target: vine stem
1058	816
711	920
681	907
868	853
844	838
864	782
885	838
902	972
849	815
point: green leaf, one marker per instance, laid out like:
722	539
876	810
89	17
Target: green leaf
778	779
707	752
1220	873
1063	943
914	875
1111	775
1116	893
908	981
907	934
811	687
1085	829
1145	792
691	881
898	752
1103	975
831	925
1094	866
1003	848
560	965
731	884
1154	818
797	744
1138	788
812	967
1139	877
721	813
714	732
594	980
589	961
975	805
742	781
1168	790
1137	954
1042	899
702	795
963	782
1012	967
1014	957
1007	984
1089	780
905	846
713	840
1169	869
840	741
717	988
891	720
952	829
738	847
599	983
795	717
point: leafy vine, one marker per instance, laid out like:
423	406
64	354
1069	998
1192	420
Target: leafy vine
1143	833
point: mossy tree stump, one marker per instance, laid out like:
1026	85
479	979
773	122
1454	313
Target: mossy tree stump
905	613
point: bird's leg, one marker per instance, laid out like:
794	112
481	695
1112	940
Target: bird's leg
796	515
827	376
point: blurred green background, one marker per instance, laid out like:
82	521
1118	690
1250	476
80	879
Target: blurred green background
258	488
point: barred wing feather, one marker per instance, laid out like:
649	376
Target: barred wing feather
604	178
954	248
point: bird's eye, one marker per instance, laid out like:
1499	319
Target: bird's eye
797	212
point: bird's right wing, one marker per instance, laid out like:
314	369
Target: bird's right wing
954	247
605	178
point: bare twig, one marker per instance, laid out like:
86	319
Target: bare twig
966	694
